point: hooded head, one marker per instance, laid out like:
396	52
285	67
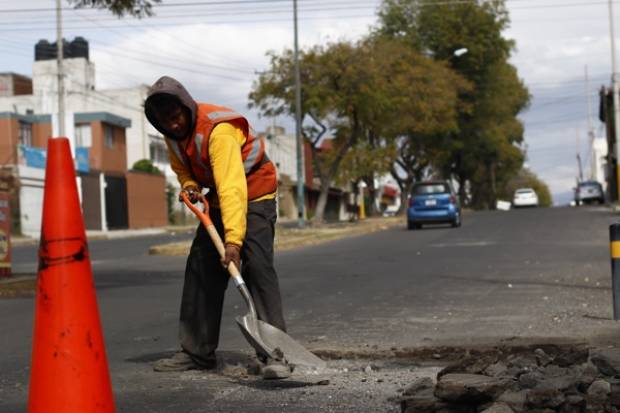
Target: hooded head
170	108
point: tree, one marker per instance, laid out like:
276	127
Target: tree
415	99
331	82
137	8
362	96
145	165
485	148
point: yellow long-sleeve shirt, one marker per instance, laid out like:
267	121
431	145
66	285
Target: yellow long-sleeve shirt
231	186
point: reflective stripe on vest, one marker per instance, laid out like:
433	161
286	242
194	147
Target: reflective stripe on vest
198	142
217	115
177	152
250	161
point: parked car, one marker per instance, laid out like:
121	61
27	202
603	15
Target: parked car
525	197
588	192
433	203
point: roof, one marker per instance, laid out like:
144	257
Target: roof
105	117
15	75
26	118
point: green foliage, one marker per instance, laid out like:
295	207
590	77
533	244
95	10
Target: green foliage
361	161
484	149
527	179
145	165
136	8
364	96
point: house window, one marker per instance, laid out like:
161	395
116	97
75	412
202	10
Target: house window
108	136
25	133
83	137
158	150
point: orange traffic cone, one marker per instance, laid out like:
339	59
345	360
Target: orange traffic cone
69	371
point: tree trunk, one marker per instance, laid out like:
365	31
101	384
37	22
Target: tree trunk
493	197
372	196
319	212
462	195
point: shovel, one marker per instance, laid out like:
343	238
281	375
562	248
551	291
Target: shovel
267	340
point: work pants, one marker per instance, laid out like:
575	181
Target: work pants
206	280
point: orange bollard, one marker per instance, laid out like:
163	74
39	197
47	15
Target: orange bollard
69	371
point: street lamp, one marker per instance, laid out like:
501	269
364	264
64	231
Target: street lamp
460	52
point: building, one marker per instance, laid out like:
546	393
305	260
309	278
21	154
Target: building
98	126
598	162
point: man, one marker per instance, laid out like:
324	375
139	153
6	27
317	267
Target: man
212	147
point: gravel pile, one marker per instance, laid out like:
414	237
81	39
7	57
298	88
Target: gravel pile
543	381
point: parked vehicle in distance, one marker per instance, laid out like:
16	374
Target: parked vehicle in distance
525	197
588	192
433	202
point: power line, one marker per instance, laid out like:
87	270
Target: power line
241	2
330	6
218	22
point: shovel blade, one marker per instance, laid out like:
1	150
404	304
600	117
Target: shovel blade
265	338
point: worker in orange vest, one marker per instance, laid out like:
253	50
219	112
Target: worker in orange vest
212	147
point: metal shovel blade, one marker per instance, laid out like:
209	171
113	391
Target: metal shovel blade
263	336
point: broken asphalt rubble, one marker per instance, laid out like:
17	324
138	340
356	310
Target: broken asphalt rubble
542	380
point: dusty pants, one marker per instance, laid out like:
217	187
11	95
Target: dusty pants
206	280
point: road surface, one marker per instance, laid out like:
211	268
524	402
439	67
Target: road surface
525	275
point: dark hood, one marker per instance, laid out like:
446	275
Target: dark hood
166	85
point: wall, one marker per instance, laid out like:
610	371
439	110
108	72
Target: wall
31	199
115	158
146	195
129	105
106	159
91	201
8	141
13	84
282	150
22	85
40	134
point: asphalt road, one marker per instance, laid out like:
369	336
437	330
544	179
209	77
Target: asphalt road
525	275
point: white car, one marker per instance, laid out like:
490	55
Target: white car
525	197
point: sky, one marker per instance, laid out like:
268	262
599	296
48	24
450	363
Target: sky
217	47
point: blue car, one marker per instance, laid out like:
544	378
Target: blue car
433	203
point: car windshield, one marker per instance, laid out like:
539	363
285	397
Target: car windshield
525	191
588	185
427	189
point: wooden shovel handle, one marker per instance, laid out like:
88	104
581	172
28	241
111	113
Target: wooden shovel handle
208	224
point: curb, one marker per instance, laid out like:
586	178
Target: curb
292	238
113	234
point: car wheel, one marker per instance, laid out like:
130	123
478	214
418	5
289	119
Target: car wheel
456	222
411	225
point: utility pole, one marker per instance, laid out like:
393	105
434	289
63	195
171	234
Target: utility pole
590	128
298	137
580	169
614	83
59	68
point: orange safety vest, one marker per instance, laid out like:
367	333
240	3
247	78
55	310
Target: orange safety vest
260	172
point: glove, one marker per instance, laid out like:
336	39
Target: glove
232	254
192	192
